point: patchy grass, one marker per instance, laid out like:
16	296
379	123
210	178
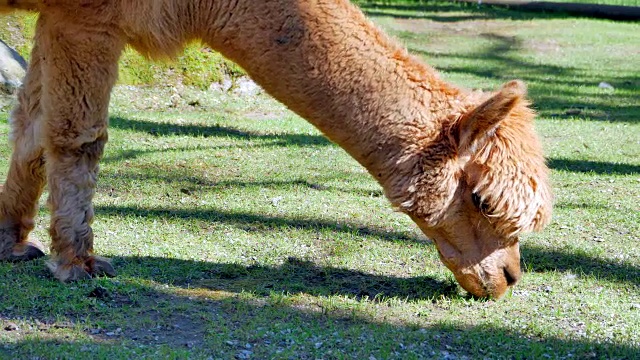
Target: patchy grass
563	60
198	66
602	2
432	2
239	231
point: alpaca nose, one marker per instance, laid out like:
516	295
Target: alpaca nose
512	275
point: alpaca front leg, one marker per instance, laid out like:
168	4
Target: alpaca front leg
26	177
78	73
72	181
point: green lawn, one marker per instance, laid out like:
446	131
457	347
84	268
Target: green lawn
602	2
432	2
239	231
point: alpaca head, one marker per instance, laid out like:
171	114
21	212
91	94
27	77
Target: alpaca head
484	186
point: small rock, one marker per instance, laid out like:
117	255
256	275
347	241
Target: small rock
11	327
570	276
175	100
635	307
244	354
12	69
225	85
246	86
276	200
607	86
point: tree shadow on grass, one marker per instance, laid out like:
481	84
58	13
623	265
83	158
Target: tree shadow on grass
587	166
227	327
449	11
318	184
138	314
500	61
580	91
150	315
258	223
294	276
540	259
169	129
129	154
195	183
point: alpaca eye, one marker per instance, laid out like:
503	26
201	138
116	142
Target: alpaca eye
478	203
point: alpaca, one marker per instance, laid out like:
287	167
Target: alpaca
466	166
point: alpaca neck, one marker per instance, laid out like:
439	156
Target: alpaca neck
327	63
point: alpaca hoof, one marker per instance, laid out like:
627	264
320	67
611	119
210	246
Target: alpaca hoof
92	267
26	251
102	267
68	273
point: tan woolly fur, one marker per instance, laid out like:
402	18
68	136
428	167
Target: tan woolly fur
466	166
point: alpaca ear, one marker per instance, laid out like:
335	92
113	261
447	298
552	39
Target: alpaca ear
480	123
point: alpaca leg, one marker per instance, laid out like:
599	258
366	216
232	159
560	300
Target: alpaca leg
26	178
78	74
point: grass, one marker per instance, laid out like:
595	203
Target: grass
239	231
603	2
431	2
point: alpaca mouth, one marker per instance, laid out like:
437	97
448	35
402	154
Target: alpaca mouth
504	278
486	282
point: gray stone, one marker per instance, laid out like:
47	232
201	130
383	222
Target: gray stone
223	86
246	86
12	69
606	86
